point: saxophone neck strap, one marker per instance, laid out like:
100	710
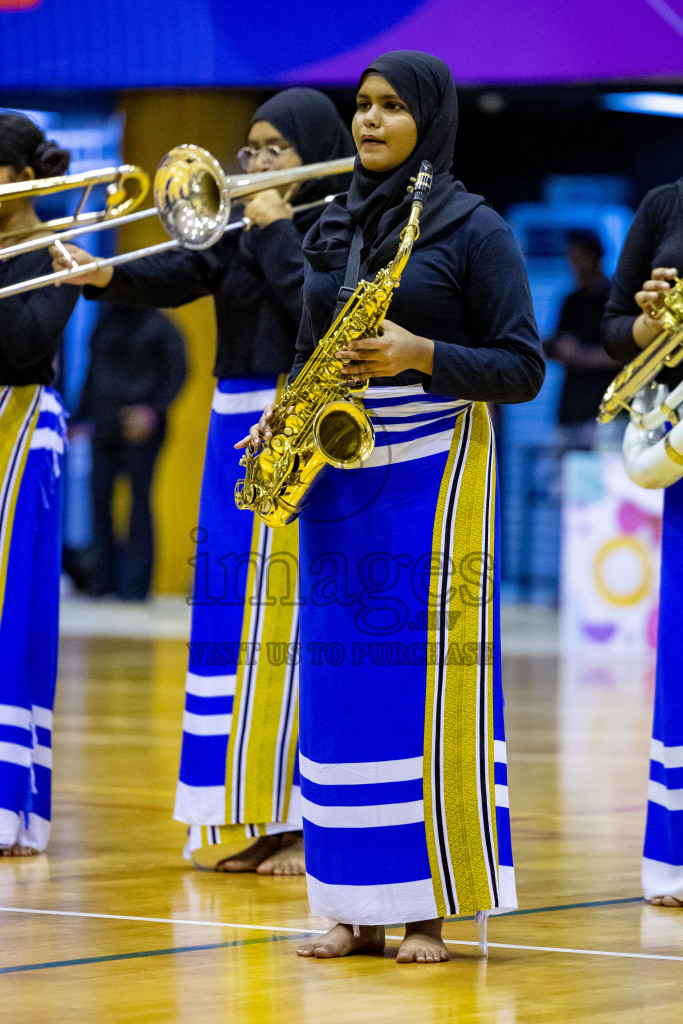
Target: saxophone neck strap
352	272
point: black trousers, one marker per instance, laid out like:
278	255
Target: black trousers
123	566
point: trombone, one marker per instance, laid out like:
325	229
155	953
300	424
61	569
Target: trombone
127	186
193	198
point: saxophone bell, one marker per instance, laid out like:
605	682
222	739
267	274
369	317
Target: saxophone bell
344	435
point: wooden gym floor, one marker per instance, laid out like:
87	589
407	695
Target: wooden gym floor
112	926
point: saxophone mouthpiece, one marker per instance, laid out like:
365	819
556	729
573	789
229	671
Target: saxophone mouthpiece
423	183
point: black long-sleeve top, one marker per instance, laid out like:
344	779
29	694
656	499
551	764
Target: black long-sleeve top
137	357
256	288
468	291
31	324
655	239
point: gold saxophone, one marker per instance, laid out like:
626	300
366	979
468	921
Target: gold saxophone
320	419
652	453
664	352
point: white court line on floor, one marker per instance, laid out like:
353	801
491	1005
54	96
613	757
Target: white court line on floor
321	931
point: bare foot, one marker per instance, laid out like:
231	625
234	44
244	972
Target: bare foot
249	859
288	860
340	941
16	850
422	943
666	901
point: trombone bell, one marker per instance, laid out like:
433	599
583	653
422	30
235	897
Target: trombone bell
191	197
193	194
127	186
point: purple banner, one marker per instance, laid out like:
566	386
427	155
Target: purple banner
47	44
528	42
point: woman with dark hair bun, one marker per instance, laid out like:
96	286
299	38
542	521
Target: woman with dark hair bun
25	148
32	436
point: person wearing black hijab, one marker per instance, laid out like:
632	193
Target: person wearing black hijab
485	345
32	440
239	727
402	749
651	257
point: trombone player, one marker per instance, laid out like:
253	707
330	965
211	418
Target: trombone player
240	704
32	435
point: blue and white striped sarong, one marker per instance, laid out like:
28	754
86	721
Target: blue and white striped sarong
238	759
403	765
663	854
32	442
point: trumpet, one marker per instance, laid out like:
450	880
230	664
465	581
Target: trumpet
193	199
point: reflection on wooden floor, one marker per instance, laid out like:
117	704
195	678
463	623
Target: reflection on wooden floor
115	927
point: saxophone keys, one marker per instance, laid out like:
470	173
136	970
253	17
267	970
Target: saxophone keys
293	425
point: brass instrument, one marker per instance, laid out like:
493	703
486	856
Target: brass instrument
653	455
192	196
127	186
320	419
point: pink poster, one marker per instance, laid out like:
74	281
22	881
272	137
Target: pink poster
610	556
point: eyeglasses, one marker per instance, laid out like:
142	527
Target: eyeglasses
249	153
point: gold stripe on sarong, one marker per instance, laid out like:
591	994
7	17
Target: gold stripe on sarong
264	733
260	760
459	783
18	418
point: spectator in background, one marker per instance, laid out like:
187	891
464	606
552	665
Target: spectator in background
577	343
137	367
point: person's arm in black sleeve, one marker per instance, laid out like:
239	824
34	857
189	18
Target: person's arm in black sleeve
173	365
277	248
305	345
633	268
32	324
505	364
166	280
550	346
565	325
87	402
574	343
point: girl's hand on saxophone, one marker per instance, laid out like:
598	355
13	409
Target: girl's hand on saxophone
393	350
650	298
260	433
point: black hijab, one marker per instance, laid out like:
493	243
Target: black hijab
310	121
379	202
